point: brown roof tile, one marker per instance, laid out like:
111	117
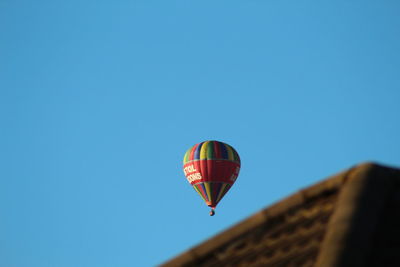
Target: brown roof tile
333	223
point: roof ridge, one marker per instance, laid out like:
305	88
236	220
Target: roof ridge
351	227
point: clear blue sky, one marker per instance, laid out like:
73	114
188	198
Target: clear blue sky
99	100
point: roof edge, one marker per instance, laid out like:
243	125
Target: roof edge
331	183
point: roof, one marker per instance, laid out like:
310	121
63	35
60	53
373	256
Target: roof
350	219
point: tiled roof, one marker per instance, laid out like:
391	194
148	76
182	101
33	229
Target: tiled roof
351	219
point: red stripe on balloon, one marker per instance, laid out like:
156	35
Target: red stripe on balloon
192	152
203	170
216	189
217	150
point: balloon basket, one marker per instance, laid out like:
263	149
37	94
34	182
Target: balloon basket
212	212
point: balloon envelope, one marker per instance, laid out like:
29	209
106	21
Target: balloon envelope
211	167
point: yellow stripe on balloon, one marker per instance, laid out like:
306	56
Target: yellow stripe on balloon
186	157
208	190
198	191
203	150
230	152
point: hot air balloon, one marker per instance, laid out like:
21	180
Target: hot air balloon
211	167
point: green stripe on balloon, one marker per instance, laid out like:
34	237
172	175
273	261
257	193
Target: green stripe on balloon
198	191
210	150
